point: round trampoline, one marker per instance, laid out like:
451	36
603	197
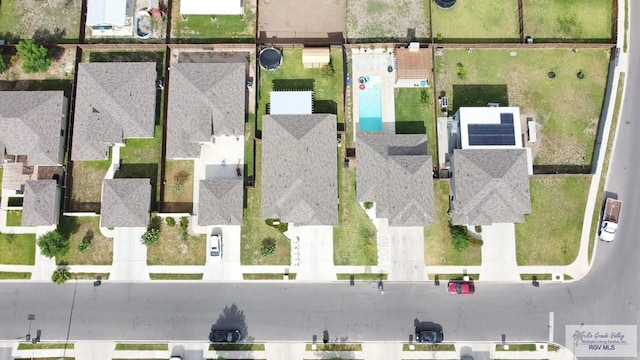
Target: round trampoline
445	4
270	58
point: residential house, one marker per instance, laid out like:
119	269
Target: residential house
41	204
489	186
490	168
395	172
114	102
206	100
125	203
299	171
220	202
32	140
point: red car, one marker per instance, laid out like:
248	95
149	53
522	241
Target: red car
461	287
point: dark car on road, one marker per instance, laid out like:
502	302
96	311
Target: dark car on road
429	336
229	336
461	287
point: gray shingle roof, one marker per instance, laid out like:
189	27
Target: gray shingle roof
489	186
205	99
114	101
395	172
125	202
220	202
299	169
39	207
30	124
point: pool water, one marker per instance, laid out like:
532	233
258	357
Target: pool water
370	105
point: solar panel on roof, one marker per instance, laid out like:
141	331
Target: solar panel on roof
493	134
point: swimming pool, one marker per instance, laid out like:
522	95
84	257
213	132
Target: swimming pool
370	105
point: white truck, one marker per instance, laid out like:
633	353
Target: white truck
610	217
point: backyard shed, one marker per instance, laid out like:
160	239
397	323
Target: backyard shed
315	57
211	7
106	13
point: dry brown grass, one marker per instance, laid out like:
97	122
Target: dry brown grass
86	189
386	19
170	249
61	68
41	19
178	198
100	252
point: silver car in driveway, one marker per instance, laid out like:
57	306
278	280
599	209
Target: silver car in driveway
215	243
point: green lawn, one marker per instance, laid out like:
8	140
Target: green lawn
263	276
429	347
14	218
438	249
164	276
222	28
236	347
414	115
551	234
566	108
354	239
142	347
86	190
4	275
140	158
254	229
89	276
85	228
1	170
17	249
326	85
363	277
171	249
568	19
57	21
44	346
517	347
335	347
477	21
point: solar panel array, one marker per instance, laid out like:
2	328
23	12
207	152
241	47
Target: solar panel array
493	134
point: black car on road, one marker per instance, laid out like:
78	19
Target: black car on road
229	336
429	336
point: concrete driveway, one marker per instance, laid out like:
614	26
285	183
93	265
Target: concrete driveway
315	249
407	254
227	267
499	253
129	255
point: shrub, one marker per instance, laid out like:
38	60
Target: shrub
150	236
83	246
459	237
36	57
276	223
368	205
268	246
328	71
3	66
171	221
53	244
155	222
462	72
184	226
60	276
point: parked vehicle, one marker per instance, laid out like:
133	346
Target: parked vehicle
229	336
609	223
429	336
461	287
215	242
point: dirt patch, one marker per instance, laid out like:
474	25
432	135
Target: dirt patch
171	249
301	19
178	190
86	189
387	19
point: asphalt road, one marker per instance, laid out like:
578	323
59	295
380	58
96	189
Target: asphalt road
608	295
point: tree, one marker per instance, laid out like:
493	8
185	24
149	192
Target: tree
459	237
60	276
3	66
53	244
36	57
